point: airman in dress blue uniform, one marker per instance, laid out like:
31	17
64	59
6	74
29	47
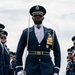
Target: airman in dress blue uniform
13	64
6	54
69	55
39	40
71	67
69	60
73	47
1	52
68	67
11	69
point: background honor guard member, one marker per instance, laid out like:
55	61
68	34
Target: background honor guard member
73	47
1	51
39	41
13	63
6	54
69	58
71	67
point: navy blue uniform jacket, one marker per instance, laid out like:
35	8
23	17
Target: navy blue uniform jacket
4	61
38	64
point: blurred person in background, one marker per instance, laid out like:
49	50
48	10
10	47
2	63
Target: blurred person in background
6	52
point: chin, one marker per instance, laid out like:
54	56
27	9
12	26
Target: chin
38	23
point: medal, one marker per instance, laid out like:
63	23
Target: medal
49	39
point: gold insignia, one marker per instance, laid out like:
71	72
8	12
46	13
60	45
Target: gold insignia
74	60
49	39
37	8
38	53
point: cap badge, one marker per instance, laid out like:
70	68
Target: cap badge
37	8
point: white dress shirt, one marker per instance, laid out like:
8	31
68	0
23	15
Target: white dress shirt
39	33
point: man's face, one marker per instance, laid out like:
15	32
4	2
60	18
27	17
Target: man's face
69	55
3	39
13	59
38	19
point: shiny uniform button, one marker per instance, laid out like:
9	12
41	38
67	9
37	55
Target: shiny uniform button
39	59
39	45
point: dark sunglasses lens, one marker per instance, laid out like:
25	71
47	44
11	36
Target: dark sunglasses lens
3	37
37	15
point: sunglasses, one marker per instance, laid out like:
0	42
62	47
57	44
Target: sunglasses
37	15
3	37
1	31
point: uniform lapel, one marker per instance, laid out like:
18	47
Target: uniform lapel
6	50
32	34
2	48
45	34
45	31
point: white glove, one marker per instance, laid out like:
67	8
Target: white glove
55	74
20	72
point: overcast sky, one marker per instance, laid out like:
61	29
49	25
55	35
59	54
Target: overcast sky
60	16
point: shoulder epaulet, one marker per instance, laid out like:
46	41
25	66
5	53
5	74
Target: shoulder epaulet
30	29
50	30
25	30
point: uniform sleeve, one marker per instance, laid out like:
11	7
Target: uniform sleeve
0	49
20	50
57	54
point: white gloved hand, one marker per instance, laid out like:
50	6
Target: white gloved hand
55	74
20	72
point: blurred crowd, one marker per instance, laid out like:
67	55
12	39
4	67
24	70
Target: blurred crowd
7	58
70	68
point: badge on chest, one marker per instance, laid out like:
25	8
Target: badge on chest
49	39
